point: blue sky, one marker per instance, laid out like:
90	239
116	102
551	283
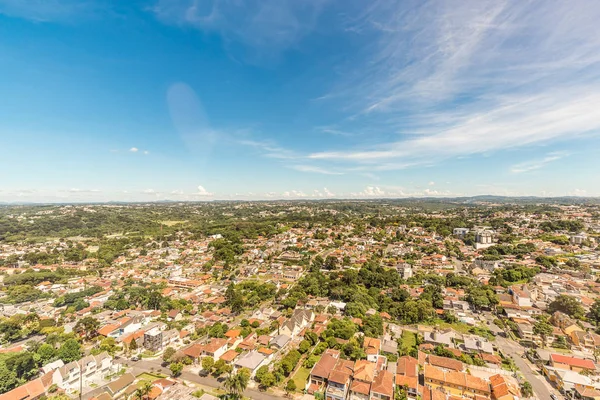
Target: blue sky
225	99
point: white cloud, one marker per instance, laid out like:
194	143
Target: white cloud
134	149
269	149
265	28
177	192
454	79
328	193
146	152
533	165
77	190
431	183
372	191
49	10
578	192
203	192
294	194
314	169
150	191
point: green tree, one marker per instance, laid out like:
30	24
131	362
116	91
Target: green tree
70	351
221	368
290	387
109	345
22	364
595	312
543	328
304	346
568	305
235	384
176	368
168	353
47	353
133	346
8	379
526	389
208	363
87	327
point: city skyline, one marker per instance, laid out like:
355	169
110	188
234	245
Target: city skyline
217	100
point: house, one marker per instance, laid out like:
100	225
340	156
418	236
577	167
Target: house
31	390
437	336
299	320
455	383
521	295
338	381
447	364
86	371
383	386
364	373
567	380
525	331
478	344
229	356
252	360
117	387
280	341
372	347
503	389
389	346
320	371
407	375
215	348
560	361
585	340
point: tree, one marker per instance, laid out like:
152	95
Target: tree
373	326
133	346
70	351
526	389
87	327
109	345
22	364
208	363
8	379
143	390
221	367
168	353
176	368
568	305
304	346
595	312
543	328
46	353
235	384
290	387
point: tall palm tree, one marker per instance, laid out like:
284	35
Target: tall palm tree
236	384
143	390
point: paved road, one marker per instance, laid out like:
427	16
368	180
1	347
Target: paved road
150	366
541	387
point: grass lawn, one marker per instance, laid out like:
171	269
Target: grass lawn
301	378
408	340
172	223
146	376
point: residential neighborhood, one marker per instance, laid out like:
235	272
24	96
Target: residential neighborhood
484	301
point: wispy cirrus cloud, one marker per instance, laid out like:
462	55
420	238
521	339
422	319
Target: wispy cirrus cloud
534	165
454	79
315	169
264	28
270	149
49	10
